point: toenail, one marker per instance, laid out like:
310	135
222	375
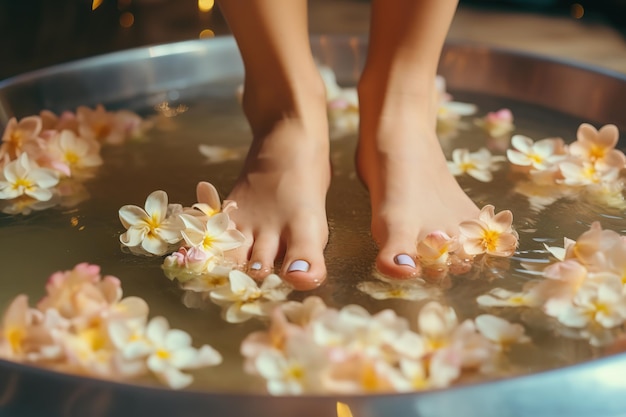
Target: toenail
299	265
404	259
256	266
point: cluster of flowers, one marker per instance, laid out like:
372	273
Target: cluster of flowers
44	158
591	163
84	326
439	254
312	348
585	288
196	238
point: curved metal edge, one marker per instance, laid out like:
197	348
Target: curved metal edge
583	390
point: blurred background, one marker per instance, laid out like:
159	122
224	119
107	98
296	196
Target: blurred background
38	33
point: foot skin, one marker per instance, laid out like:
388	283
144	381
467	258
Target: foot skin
412	192
281	193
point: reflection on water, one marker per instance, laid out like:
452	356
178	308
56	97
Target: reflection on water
171	161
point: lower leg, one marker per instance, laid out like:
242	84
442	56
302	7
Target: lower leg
399	158
282	189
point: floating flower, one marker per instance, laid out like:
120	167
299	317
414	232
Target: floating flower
596	302
539	155
434	249
20	136
598	147
498	123
83	326
499	297
172	352
69	153
152	228
490	233
577	173
294	369
414	289
243	298
478	165
213	235
24	177
500	331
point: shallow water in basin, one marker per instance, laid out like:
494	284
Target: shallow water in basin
36	245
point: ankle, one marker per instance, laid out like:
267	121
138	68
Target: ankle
267	102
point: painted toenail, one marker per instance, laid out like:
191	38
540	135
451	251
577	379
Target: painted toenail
256	266
299	265
404	259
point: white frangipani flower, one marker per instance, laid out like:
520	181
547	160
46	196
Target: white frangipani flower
478	165
213	234
243	298
500	331
152	228
539	155
172	352
69	153
23	176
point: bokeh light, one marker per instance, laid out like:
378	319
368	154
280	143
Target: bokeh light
206	33
577	11
127	19
206	5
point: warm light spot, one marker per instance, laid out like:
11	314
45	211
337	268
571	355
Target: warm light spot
74	221
206	5
127	19
95	4
577	10
206	33
343	410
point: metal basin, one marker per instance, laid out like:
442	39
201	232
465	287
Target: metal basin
141	77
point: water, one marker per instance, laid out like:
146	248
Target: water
34	246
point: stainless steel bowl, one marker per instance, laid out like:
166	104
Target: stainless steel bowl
138	76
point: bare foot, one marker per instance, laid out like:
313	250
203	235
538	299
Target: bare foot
400	161
281	192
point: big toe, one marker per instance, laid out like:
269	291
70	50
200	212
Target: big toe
303	264
397	257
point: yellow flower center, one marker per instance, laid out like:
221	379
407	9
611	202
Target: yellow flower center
369	379
71	157
590	173
15	336
208	241
536	158
596	152
153	224
396	292
490	240
466	166
94	338
517	300
295	372
23	183
163	354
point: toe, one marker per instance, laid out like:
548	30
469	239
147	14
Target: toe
263	255
303	265
397	257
